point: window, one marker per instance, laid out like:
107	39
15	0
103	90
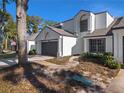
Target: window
83	25
97	45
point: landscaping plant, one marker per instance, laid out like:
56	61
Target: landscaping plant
32	52
105	59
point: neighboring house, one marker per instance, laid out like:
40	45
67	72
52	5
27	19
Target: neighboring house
85	32
31	41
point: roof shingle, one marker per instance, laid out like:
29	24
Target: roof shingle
119	23
60	31
32	36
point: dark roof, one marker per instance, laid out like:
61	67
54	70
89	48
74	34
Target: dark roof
102	32
100	12
119	23
32	36
60	31
58	24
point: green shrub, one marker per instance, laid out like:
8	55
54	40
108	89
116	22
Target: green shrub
110	62
95	57
90	55
32	52
122	66
108	54
105	59
114	65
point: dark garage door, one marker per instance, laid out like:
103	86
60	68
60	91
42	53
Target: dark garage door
50	48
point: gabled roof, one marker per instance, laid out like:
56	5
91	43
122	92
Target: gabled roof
60	31
119	23
102	32
32	36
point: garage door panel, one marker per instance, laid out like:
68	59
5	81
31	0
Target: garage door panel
50	48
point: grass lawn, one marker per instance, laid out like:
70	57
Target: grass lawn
36	78
59	61
96	71
95	68
30	79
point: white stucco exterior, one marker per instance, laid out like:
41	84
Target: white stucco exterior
65	43
68	46
30	45
103	20
109	19
100	21
79	41
118	44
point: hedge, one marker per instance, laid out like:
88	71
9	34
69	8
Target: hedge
105	59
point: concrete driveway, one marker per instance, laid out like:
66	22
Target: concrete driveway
13	61
117	85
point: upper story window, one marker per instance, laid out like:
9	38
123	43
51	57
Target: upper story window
83	25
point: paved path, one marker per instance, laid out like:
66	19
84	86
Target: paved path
70	64
41	60
117	85
56	68
13	61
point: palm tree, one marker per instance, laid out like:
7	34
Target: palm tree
21	10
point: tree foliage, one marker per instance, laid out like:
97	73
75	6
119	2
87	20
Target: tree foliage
33	24
48	22
36	23
11	30
10	26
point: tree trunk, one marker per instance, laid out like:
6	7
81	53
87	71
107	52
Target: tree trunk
21	29
4	10
6	44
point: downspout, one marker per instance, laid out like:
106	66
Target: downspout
62	46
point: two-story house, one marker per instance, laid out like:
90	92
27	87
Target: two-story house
85	32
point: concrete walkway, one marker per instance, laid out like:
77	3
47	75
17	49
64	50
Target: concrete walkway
70	64
41	60
117	85
52	68
12	61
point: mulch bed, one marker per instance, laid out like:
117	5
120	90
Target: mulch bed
100	75
59	61
35	78
30	79
95	68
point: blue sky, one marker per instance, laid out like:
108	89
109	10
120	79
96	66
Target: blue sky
60	10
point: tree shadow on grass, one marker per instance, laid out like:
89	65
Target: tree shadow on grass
10	75
29	74
68	76
37	77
